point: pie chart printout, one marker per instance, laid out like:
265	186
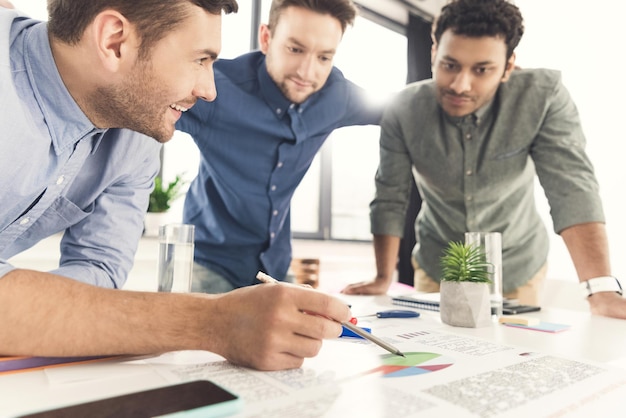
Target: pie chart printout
414	364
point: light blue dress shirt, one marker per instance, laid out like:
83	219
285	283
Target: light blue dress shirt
255	148
62	174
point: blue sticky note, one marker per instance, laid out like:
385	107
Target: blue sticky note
347	333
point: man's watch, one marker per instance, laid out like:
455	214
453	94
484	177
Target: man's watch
600	284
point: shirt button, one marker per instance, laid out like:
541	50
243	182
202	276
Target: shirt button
300	110
60	180
468	198
273	188
275	213
280	164
468	136
469	172
272	235
291	106
24	221
279	111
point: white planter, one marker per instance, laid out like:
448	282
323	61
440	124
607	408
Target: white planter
152	221
465	304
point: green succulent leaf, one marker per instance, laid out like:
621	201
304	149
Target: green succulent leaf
462	262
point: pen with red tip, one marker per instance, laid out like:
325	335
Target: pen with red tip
266	278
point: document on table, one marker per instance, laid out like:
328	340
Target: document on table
443	375
18	364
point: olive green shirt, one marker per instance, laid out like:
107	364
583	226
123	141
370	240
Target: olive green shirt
477	173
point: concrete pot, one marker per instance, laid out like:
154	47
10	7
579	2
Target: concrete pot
465	304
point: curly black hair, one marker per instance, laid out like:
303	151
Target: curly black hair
477	18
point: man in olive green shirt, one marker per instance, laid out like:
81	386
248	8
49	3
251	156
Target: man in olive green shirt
474	137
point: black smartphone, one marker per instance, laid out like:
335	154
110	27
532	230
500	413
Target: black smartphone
199	398
518	309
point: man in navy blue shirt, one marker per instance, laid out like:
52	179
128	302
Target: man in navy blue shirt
276	107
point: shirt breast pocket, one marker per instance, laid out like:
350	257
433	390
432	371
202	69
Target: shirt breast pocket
59	216
511	153
507	165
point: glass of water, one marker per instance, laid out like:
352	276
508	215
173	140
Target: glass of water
491	244
176	244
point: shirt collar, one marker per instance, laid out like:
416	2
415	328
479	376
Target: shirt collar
274	97
65	120
476	118
271	93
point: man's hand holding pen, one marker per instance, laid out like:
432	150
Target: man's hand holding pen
273	326
350	324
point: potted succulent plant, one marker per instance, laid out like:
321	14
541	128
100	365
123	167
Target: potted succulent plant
464	288
160	202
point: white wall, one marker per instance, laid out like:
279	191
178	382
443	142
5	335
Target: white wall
33	8
585	41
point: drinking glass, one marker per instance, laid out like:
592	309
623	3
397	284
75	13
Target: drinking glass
491	244
176	244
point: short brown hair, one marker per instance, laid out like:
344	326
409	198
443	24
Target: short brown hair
342	10
154	19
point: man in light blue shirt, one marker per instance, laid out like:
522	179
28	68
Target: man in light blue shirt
90	182
276	108
73	92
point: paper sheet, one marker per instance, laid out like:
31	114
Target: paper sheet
444	375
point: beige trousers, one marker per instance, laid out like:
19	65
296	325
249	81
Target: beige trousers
528	294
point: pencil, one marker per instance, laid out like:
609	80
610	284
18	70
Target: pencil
266	278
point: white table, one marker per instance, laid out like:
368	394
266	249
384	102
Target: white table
340	381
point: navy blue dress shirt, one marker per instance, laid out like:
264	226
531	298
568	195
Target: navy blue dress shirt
255	148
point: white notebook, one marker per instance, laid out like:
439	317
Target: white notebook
428	301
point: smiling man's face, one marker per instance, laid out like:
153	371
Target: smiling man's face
176	73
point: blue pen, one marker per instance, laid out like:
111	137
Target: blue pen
394	313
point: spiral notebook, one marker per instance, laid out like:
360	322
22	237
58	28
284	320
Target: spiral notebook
419	300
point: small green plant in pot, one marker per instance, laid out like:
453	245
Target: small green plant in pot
464	263
161	199
465	282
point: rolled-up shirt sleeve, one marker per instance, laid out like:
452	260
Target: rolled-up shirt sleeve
100	214
5	268
393	176
563	167
100	248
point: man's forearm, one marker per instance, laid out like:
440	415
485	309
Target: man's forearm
48	315
386	249
588	247
256	326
